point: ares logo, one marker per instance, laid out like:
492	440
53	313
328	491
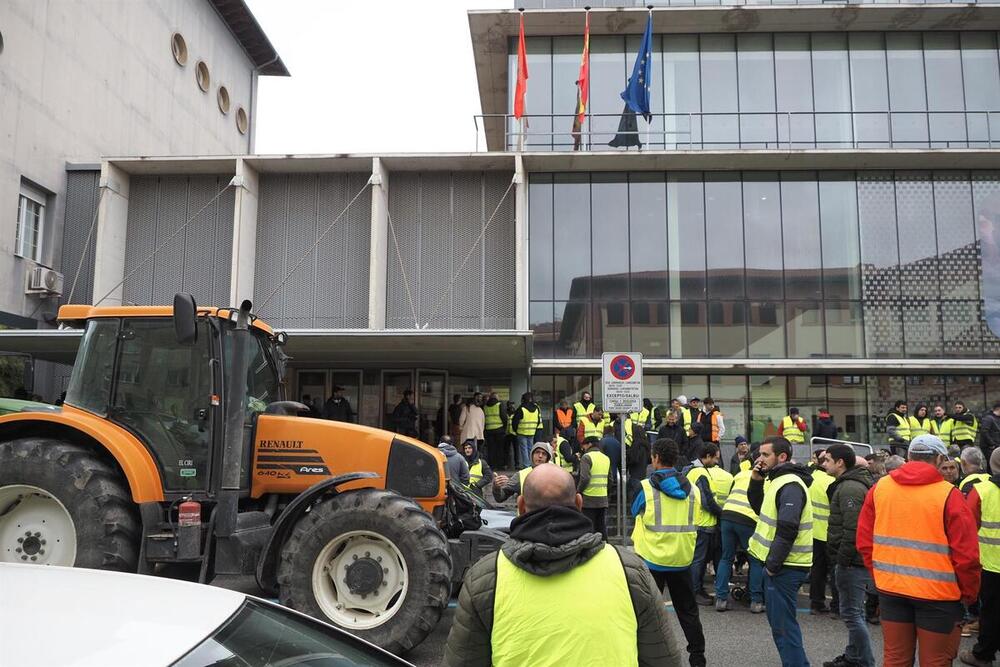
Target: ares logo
313	470
281	444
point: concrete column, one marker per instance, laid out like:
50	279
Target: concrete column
521	244
244	254
518	383
112	225
378	261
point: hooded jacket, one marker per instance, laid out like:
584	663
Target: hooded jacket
959	525
548	542
471	461
513	485
847	495
458	469
790	501
675	485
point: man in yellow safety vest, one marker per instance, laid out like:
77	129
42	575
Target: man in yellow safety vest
556	594
666	512
821	573
504	487
527	422
595	471
793	427
984	501
714	483
782	541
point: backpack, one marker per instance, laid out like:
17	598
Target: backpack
462	512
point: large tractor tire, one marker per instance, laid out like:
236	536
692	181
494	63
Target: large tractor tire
62	505
371	562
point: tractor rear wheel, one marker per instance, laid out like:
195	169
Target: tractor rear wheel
371	562
61	505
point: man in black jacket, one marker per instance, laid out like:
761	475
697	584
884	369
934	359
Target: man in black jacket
404	416
338	408
513	624
989	431
825	426
847	495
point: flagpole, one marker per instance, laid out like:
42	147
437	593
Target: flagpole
649	123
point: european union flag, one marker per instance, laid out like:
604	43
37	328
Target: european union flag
636	93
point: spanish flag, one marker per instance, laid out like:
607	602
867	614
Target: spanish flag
582	87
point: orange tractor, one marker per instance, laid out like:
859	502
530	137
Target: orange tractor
175	445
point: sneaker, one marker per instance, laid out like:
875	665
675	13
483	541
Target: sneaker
969	658
756	607
971	628
721	605
703	600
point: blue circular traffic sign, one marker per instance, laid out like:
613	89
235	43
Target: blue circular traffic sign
622	367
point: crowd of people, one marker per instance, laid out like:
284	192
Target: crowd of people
906	537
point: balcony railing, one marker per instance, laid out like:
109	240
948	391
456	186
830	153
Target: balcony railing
782	130
598	4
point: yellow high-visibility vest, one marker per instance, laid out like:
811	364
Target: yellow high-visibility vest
738	501
600	469
821	503
666	532
801	553
531	614
492	421
530	419
790	431
989	526
719	481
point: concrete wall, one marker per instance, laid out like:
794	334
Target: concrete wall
81	80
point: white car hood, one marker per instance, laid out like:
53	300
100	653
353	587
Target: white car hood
82	618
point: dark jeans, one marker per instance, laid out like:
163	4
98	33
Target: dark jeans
852	582
678	584
821	574
736	536
702	552
989	617
495	453
598	517
930	625
780	596
523	451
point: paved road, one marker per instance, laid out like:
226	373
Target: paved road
735	638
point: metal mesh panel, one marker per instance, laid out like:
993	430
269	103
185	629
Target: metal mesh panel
357	252
438	219
883	392
404	207
140	240
81	203
270	255
293	211
986	205
467	290
196	260
500	303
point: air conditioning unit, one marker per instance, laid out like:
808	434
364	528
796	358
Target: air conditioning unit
45	281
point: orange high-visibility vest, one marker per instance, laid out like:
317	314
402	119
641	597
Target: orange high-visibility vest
715	426
911	556
564	417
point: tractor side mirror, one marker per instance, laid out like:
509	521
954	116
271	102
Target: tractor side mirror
185	319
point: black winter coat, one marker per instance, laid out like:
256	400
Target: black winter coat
847	495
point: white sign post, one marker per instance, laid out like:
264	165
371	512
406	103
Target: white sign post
621	385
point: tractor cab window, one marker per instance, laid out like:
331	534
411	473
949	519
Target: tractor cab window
164	395
90	384
261	383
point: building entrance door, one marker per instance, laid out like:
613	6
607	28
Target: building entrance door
394	383
318	384
431	387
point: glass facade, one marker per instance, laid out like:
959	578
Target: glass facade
580	4
762	264
753	405
773	90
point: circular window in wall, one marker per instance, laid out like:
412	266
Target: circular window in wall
203	76
242	121
179	48
223	97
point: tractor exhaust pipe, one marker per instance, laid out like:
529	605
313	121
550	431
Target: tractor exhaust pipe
236	405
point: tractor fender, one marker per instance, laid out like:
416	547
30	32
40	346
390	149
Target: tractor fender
266	576
69	423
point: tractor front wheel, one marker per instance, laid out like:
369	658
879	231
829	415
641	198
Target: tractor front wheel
61	505
371	562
